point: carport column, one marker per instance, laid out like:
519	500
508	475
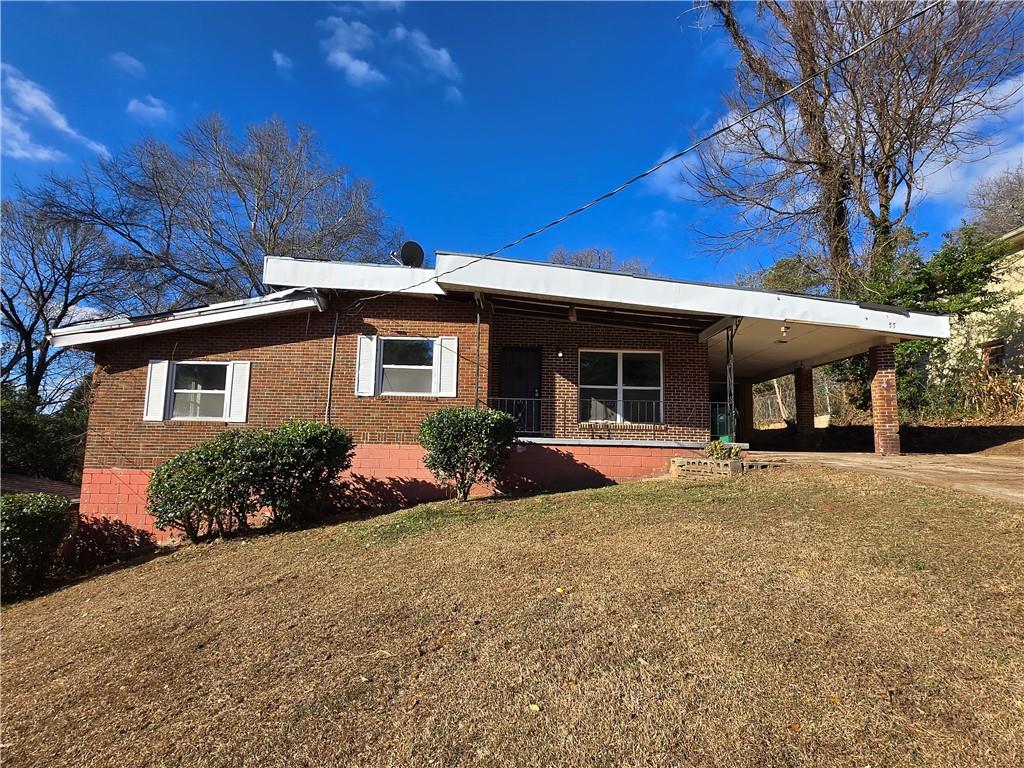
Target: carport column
803	383
884	408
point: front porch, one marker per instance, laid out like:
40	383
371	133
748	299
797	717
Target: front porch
573	374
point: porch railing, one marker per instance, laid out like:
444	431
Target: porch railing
545	417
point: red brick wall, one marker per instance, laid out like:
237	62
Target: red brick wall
885	413
291	358
684	370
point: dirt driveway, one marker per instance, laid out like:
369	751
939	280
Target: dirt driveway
999	477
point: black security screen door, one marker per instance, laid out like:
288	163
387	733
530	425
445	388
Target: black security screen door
520	386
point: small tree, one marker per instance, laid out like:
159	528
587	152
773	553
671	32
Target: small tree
466	446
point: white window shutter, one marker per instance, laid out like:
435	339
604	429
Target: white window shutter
366	366
446	366
155	407
237	406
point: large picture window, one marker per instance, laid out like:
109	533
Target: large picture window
407	366
200	390
620	386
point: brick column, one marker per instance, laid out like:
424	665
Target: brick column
803	381
884	407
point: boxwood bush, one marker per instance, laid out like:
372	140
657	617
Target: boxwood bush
32	528
466	446
300	481
291	473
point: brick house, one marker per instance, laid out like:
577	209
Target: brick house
608	375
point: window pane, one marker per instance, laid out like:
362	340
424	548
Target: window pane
190	376
641	370
407	380
599	369
195	405
641	406
408	352
598	404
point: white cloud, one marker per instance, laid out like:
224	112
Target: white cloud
346	39
668	180
662	219
128	64
16	142
453	95
436	60
31	101
1003	149
149	109
283	63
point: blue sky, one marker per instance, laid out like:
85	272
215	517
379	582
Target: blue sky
476	122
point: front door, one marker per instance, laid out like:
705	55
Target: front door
520	387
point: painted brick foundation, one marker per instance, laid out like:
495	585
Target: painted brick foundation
393	476
119	494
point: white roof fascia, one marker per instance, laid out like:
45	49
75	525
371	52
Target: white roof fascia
348	276
470	273
230	311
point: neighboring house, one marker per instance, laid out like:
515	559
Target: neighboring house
994	339
609	375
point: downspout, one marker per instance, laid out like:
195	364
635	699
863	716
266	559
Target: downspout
330	374
477	357
479	305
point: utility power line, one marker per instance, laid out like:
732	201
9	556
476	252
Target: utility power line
671	158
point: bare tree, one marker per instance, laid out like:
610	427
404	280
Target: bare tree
835	171
55	272
197	221
597	258
998	202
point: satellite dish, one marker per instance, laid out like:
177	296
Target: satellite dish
411	254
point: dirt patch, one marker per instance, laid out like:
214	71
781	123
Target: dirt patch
793	617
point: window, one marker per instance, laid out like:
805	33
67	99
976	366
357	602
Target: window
407	366
192	390
200	390
620	386
993	355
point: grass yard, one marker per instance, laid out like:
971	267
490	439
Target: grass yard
799	617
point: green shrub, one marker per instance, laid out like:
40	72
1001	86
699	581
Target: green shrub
219	486
209	489
300	481
721	451
32	527
466	446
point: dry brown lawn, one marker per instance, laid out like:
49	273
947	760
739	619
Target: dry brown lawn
799	617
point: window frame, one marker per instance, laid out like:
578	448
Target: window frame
381	340
173	391
619	419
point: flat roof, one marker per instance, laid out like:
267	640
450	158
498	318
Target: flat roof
459	272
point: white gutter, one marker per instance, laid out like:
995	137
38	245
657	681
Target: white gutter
293	300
